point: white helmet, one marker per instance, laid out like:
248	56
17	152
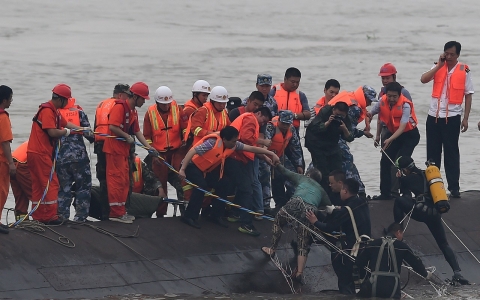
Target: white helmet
163	95
201	86
219	94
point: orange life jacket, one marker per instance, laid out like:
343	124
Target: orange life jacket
216	156
165	136
288	101
392	116
137	177
211	122
237	123
320	103
20	154
352	98
101	117
241	109
58	117
129	116
279	141
71	112
2	111
456	86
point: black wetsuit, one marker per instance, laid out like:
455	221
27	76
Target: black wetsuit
424	211
386	286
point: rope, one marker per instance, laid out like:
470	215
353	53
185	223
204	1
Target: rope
460	241
40	229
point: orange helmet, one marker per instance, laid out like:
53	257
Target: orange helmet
62	90
387	70
140	89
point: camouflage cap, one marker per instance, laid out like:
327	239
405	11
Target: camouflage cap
285	116
121	88
370	93
264	79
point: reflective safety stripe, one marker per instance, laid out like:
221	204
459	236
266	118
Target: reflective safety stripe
117	204
197	130
47	202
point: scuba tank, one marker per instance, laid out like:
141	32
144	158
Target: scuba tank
437	188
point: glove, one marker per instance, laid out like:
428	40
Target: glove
329	209
130	140
67	132
429	275
153	152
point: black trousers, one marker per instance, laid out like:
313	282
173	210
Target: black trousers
403	206
402	146
343	267
444	132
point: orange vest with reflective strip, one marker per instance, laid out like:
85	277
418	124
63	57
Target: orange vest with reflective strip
20	154
165	136
456	86
288	101
237	123
392	116
320	103
279	141
214	157
352	98
101	117
211	122
71	112
137	177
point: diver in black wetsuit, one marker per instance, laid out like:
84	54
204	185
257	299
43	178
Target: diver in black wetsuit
424	210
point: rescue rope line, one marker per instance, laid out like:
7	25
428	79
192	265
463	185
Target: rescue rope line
409	215
460	241
40	229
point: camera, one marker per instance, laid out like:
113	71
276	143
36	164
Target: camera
338	119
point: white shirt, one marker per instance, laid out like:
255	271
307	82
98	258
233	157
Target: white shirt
453	109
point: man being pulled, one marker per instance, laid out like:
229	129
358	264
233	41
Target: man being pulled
384	258
424	209
354	212
308	196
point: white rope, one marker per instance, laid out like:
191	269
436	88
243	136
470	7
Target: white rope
409	215
460	241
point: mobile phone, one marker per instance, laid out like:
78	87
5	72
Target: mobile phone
442	59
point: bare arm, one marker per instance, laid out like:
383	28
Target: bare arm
428	76
142	139
7	152
118	132
56	133
258	150
468	107
304	115
395	135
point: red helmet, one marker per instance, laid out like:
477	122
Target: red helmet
140	89
387	70
62	90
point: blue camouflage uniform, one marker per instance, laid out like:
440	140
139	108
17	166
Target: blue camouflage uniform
73	171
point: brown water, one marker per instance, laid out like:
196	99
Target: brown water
93	45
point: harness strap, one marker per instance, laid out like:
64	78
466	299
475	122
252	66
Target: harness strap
386	242
354	251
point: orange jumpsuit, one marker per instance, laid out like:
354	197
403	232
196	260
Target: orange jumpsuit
40	152
22	182
5	136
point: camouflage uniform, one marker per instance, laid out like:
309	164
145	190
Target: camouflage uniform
73	171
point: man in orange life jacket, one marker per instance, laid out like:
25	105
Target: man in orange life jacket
22	182
331	89
452	83
101	125
200	91
46	130
255	100
123	122
398	114
162	127
73	165
7	165
204	166
288	98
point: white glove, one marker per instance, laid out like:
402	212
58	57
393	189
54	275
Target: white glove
130	140
329	209
67	133
429	275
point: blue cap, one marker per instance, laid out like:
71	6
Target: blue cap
285	116
370	93
264	79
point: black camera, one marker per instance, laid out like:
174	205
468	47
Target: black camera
338	119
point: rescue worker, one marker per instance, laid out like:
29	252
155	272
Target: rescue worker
41	151
144	180
289	98
200	92
342	217
452	82
255	101
7	165
73	165
322	136
101	126
123	122
21	183
211	117
249	189
423	210
384	257
357	101
331	89
233	102
162	127
309	196
264	86
204	164
398	114
285	142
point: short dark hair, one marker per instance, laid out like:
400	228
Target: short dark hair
394	87
228	133
394	227
5	93
315	174
332	82
341	106
256	95
338	175
351	185
292	72
264	111
457	45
